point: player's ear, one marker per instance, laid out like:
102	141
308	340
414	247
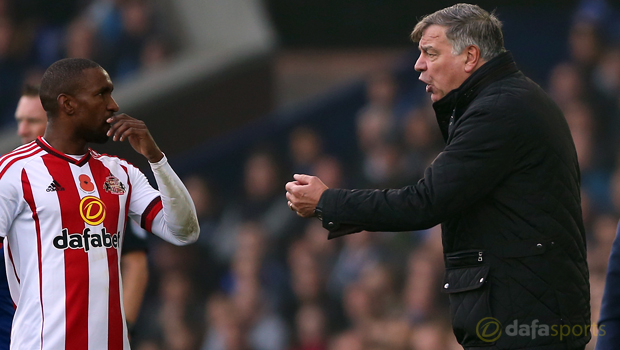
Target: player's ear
66	104
472	59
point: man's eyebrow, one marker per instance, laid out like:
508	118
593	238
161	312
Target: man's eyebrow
425	48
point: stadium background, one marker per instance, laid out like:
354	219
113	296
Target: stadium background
241	94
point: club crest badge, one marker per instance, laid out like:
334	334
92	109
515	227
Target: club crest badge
113	185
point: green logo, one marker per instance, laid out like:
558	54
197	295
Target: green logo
489	329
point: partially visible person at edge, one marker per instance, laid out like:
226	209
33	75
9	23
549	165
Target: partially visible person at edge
506	189
31	122
608	326
63	211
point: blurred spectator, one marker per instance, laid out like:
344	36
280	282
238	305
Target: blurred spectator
137	23
323	250
378	281
307	277
252	263
374	127
10	71
381	90
80	41
4	8
311	328
224	330
586	44
384	166
392	334
177	314
260	202
30	115
433	334
607	74
346	341
207	206
582	127
358	253
565	84
595	157
420	292
604	232
330	170
149	345
305	148
359	307
422	141
155	53
265	329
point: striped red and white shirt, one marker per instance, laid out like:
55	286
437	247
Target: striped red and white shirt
63	221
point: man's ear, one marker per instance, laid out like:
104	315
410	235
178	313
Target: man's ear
66	104
472	59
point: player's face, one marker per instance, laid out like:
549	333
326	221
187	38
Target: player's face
94	105
439	69
31	118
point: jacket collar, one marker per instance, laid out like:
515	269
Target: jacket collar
459	98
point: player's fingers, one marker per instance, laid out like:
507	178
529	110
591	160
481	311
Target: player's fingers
127	133
119	117
293	187
291	198
120	130
302	178
289	186
117	122
297	191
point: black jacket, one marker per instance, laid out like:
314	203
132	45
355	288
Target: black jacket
506	191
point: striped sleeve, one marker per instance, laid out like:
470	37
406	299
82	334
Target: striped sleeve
11	198
145	201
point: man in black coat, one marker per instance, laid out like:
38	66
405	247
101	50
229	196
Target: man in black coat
505	189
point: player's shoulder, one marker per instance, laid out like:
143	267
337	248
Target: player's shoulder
14	161
110	159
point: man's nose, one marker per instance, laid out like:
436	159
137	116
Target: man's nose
21	129
420	64
113	106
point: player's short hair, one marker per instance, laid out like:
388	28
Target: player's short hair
466	25
30	90
62	77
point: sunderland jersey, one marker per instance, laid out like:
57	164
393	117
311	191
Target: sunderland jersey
63	221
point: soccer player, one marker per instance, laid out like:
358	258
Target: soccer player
63	209
31	122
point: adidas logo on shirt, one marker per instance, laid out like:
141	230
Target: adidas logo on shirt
54	186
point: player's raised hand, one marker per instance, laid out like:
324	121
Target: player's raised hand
124	127
304	193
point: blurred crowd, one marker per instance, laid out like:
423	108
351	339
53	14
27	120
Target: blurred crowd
260	278
124	36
